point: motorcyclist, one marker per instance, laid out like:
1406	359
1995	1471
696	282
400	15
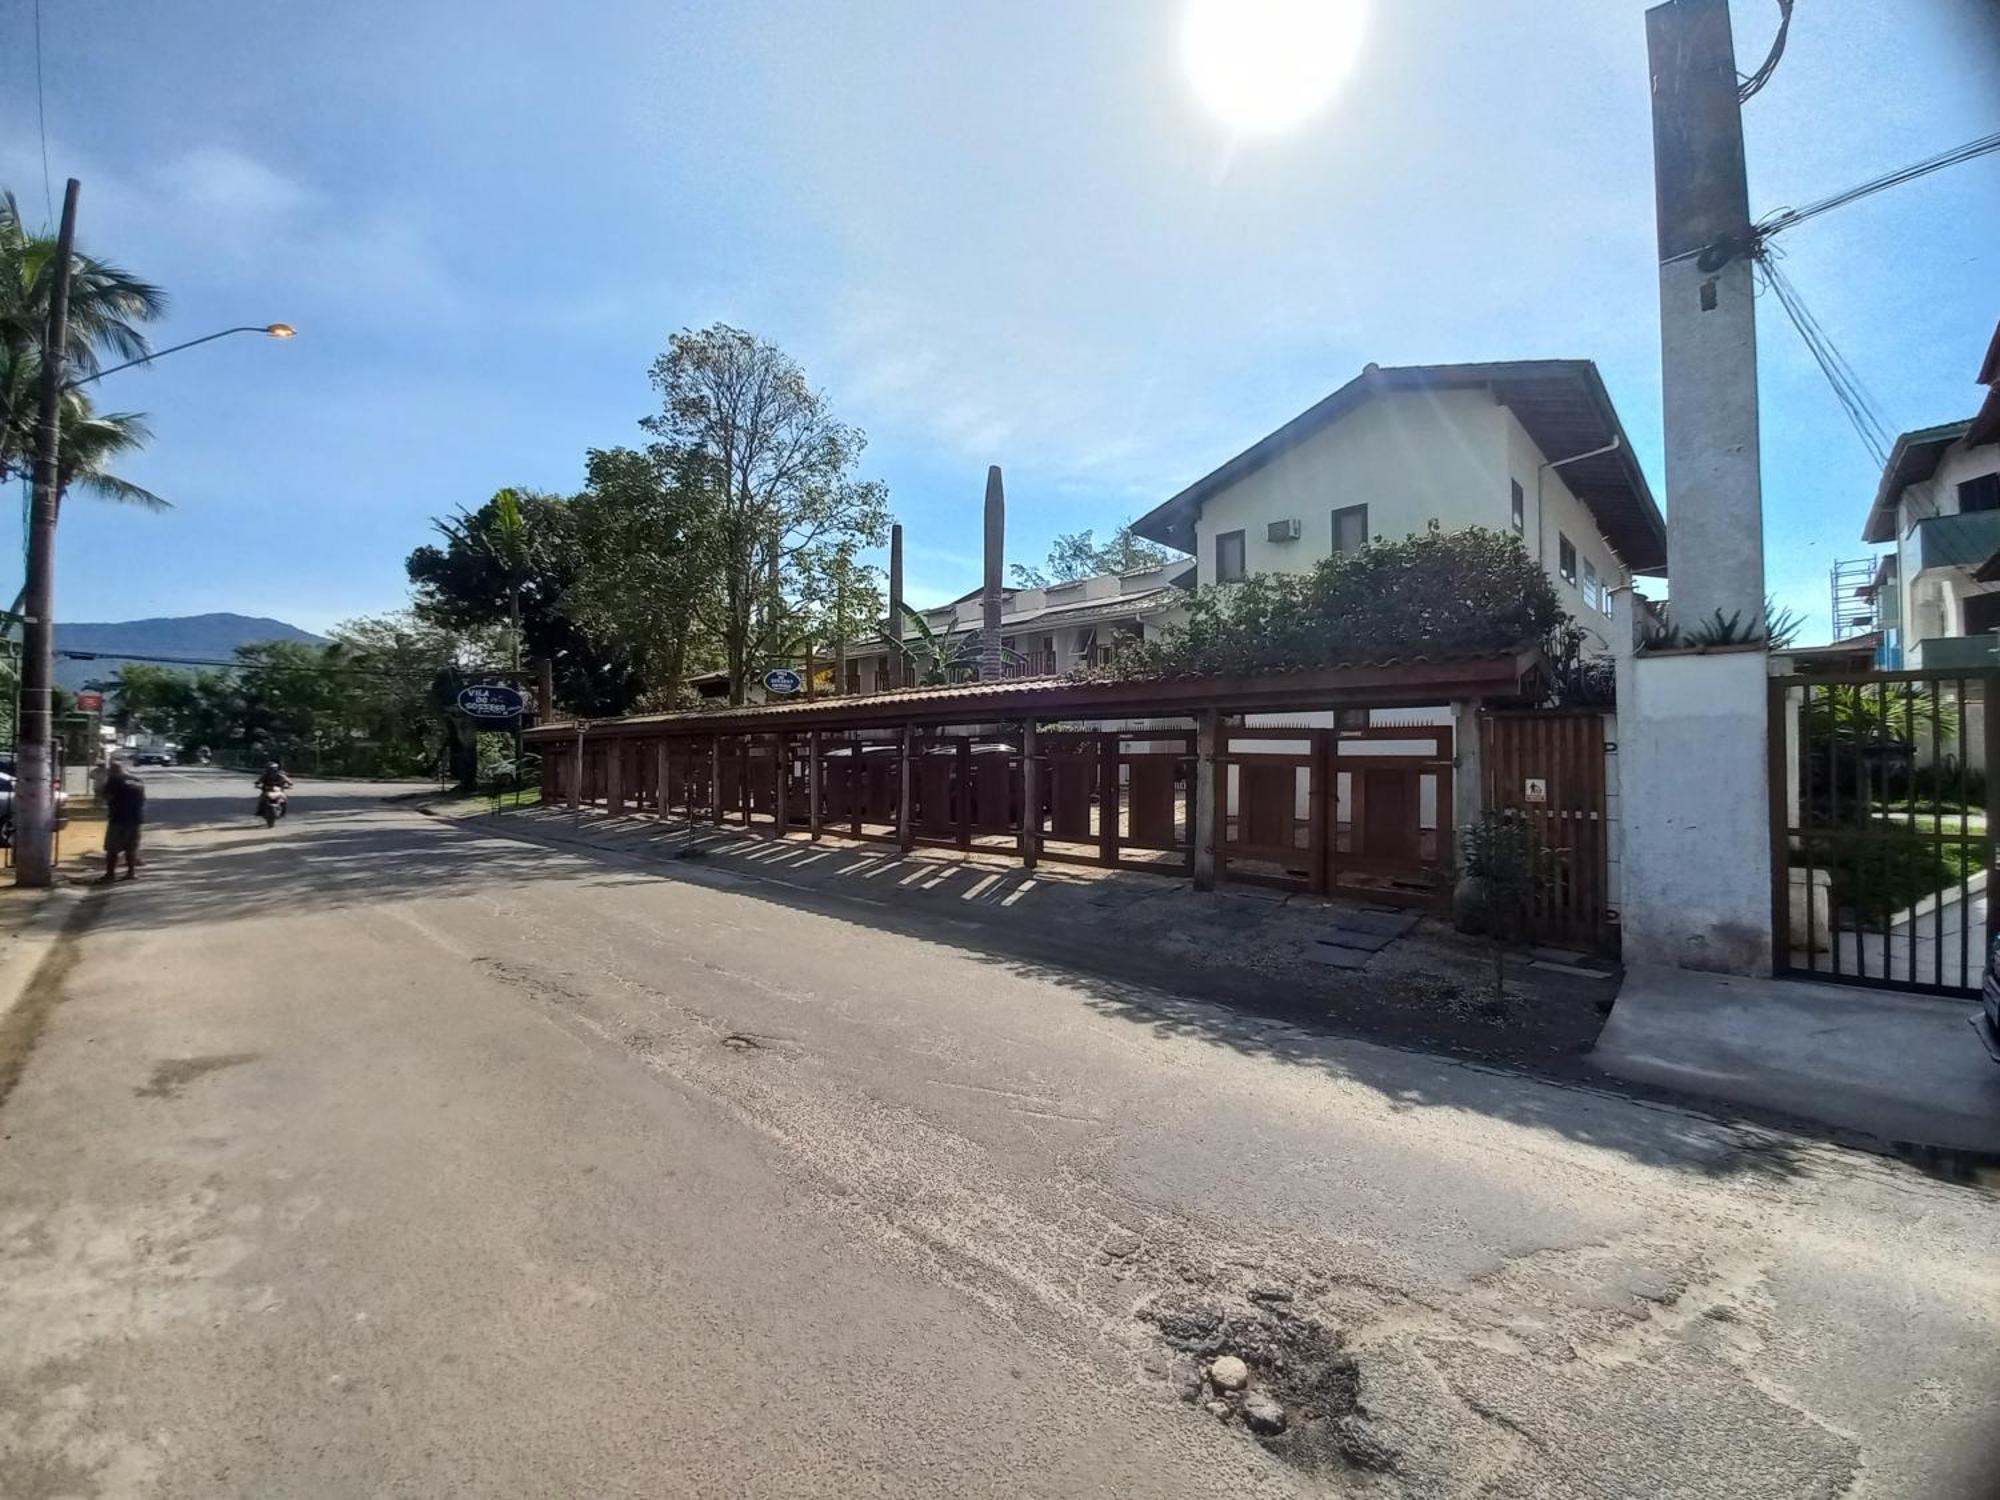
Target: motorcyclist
271	786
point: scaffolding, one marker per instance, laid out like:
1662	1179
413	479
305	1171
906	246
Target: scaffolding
1853	597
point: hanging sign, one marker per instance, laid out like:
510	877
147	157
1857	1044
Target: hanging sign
783	681
491	700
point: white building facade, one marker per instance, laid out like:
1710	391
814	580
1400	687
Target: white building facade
1938	508
1532	447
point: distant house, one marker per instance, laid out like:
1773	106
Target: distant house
1044	632
1938	507
1529	446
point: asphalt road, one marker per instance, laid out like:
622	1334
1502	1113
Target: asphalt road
376	1155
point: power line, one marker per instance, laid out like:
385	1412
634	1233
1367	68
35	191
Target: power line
1746	87
42	117
1785	218
1840	375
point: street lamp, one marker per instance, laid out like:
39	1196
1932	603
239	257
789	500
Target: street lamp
34	790
269	330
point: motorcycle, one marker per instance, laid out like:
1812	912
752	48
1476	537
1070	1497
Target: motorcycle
270	804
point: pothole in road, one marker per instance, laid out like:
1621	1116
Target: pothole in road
738	1041
1296	1390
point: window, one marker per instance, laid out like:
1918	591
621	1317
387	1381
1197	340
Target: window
1982	493
1520	508
854	677
1982	614
1229	557
1590	595
1350	528
1566	558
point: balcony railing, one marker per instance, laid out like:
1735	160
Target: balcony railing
1961	541
1955	652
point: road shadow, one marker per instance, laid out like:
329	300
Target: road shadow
359	851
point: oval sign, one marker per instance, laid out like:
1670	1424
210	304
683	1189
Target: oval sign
490	700
783	681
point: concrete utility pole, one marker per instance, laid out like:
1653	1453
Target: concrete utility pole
34	792
893	662
1693	727
991	662
1708	322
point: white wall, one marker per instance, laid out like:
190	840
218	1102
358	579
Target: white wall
1694	810
1412	457
1562	515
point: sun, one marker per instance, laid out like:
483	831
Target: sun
1262	66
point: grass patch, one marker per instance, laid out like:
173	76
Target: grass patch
1892	864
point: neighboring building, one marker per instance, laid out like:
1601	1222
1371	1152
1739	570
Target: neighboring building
1529	446
1938	505
1044	632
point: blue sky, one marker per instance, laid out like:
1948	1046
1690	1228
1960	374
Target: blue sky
993	233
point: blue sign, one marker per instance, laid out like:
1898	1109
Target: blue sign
491	700
783	681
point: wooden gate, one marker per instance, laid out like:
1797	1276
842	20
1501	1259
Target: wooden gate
1548	766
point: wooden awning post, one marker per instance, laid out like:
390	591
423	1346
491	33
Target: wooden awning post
1031	798
662	768
814	793
1107	797
614	778
1207	737
576	773
715	779
963	766
781	765
905	787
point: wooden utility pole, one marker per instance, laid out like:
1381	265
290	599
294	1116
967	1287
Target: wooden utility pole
1708	324
893	663
34	786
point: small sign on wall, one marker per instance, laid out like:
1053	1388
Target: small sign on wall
1535	790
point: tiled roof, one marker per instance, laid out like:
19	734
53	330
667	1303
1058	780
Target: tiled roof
1404	680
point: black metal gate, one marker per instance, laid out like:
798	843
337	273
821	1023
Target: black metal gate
1881	841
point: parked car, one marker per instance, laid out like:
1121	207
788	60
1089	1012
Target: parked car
7	803
151	758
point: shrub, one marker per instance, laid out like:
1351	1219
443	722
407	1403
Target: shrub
1438	594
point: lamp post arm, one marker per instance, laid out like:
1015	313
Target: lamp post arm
147	359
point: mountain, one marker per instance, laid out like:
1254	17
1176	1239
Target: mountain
197	639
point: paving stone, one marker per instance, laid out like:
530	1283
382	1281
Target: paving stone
1391	924
1367	942
1338	958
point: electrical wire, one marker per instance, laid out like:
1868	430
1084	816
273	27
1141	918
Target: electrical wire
350	665
1746	87
1840	375
1785	218
42	117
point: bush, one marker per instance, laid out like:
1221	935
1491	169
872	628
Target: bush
1438	594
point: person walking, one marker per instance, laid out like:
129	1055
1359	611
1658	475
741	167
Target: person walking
125	811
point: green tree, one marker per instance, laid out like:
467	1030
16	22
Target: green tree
1442	594
778	471
464	588
107	307
647	560
1078	554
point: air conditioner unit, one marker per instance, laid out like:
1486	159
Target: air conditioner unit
1283	531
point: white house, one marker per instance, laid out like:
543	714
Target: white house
1532	446
1938	506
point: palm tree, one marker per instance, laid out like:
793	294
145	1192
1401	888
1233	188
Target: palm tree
106	307
89	442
